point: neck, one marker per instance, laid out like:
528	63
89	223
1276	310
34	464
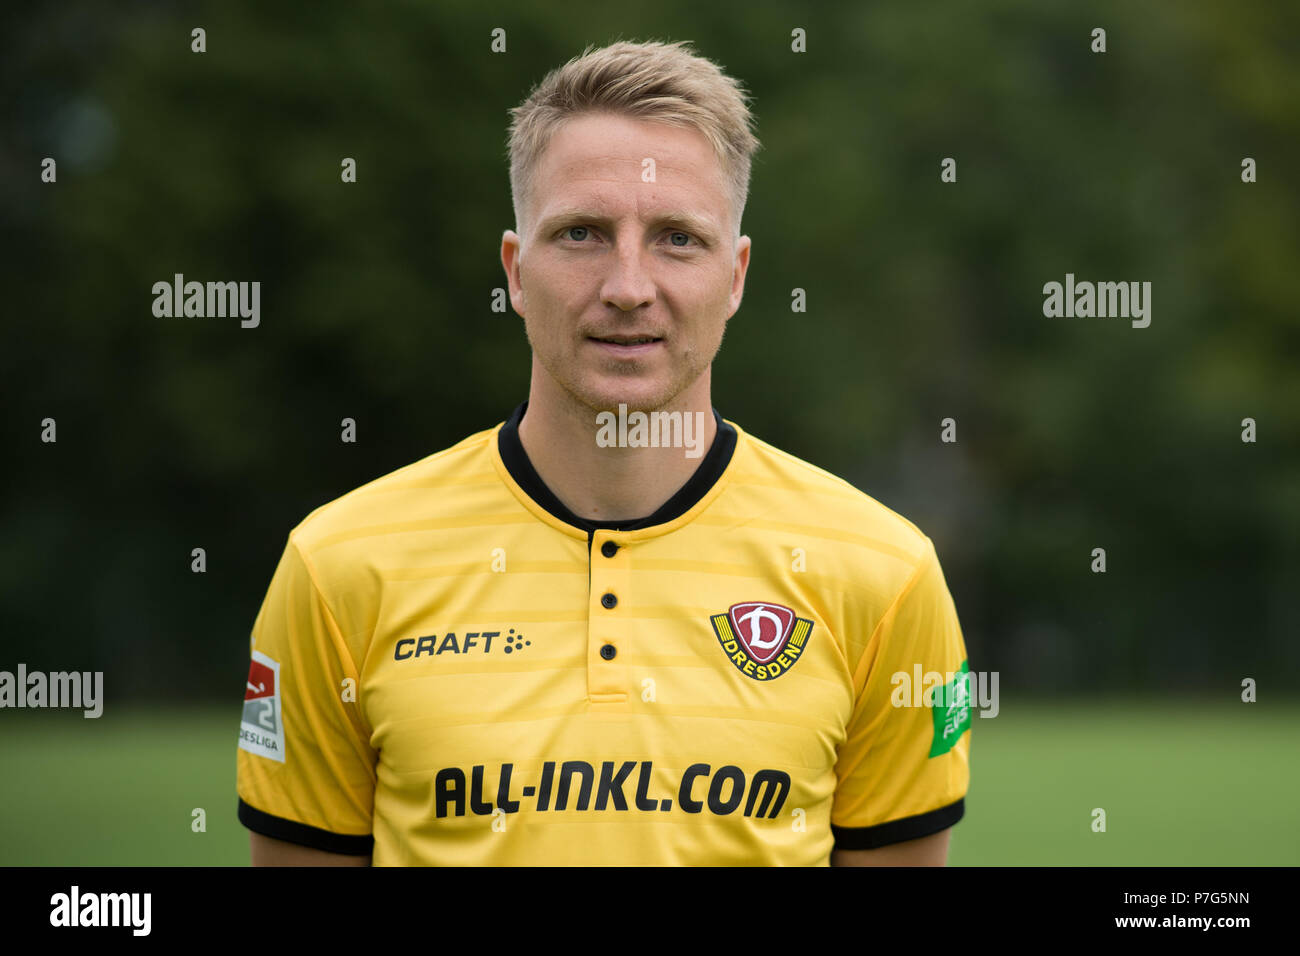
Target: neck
559	435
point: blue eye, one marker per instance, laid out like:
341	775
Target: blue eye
579	234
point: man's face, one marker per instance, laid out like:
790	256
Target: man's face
609	259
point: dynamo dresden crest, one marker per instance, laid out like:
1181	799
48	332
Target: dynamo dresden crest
762	639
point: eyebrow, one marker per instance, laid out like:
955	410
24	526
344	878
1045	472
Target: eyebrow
700	225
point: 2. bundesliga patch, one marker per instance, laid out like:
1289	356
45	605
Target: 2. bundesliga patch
261	729
762	639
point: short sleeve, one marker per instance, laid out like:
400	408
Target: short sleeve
305	770
904	767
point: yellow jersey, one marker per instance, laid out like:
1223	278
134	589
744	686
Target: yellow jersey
451	668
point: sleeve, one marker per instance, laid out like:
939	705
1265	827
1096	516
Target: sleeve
305	770
904	767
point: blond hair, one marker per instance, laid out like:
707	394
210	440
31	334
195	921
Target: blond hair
664	82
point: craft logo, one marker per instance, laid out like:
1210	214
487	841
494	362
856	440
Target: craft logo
474	642
261	731
762	639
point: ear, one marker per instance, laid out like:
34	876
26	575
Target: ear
739	270
511	261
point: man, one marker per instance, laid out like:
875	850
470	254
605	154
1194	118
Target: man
616	628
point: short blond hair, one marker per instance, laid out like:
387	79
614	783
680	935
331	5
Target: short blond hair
664	82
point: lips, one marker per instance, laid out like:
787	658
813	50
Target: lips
622	347
626	339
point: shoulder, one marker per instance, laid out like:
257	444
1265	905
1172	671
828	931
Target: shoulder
847	526
411	497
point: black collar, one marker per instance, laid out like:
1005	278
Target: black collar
710	469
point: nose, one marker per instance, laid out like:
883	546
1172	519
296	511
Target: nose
629	284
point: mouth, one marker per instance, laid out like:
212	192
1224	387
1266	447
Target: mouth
625	344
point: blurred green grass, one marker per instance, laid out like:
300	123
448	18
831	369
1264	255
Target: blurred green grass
1182	783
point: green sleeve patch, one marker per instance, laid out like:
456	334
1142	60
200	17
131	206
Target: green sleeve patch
950	706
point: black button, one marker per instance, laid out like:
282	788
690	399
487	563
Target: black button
608	600
609	549
608	652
